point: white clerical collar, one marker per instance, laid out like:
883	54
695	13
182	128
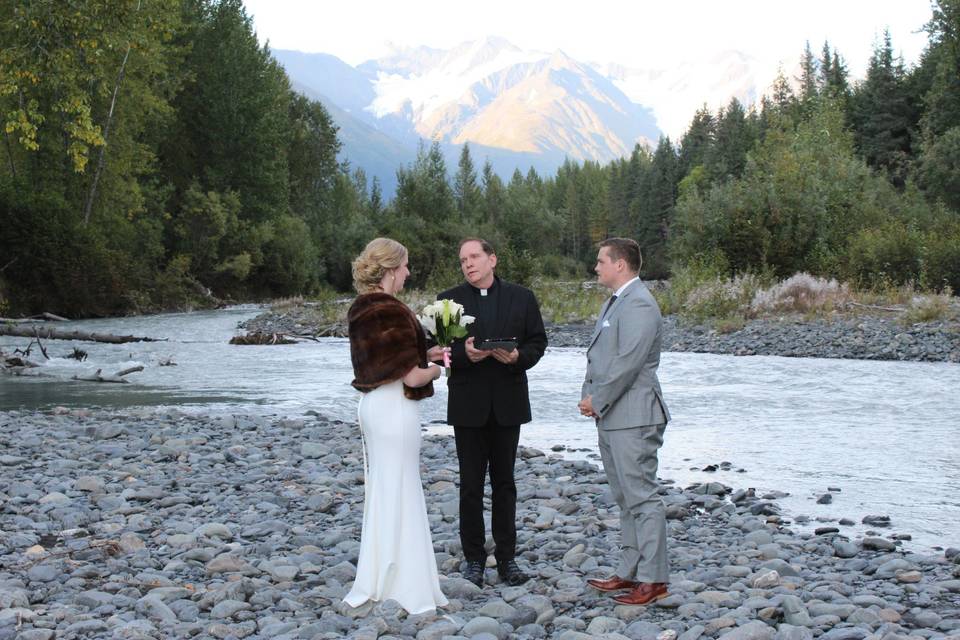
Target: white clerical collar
486	292
619	292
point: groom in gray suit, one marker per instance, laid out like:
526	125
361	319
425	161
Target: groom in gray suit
622	393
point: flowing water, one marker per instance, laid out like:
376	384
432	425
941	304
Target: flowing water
887	434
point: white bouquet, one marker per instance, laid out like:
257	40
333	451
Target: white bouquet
446	322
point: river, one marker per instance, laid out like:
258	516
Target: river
887	434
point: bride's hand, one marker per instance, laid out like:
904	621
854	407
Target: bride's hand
435	354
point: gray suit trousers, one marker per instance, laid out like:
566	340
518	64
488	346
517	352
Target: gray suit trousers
630	462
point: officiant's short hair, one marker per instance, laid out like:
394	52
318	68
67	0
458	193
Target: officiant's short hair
486	246
624	249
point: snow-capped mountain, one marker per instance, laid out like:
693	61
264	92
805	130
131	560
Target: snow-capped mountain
518	108
675	92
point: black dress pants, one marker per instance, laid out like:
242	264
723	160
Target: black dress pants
478	448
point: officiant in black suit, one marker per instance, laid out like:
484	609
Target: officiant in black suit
488	401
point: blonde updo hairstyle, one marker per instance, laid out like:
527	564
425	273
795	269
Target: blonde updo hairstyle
379	256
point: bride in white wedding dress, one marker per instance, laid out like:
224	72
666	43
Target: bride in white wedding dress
389	355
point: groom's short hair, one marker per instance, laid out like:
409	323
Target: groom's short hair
486	246
624	249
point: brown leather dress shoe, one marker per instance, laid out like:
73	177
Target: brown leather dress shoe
644	593
613	583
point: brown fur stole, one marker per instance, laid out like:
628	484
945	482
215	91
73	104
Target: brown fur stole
386	341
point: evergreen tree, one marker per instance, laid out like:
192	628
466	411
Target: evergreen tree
838	87
376	199
783	97
832	77
656	215
808	76
425	215
234	114
312	163
881	116
696	142
826	67
493	195
938	78
466	191
942	100
733	139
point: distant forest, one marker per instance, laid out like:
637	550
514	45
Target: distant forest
155	157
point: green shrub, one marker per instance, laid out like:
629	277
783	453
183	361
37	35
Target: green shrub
174	287
890	253
708	267
290	260
941	257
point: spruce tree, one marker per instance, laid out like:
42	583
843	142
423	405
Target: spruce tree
881	115
734	137
696	142
655	218
808	76
466	191
826	67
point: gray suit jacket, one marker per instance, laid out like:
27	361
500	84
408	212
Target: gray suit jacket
622	362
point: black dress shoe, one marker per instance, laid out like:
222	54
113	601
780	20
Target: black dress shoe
474	572
511	574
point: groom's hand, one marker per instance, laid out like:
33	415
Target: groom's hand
506	357
586	407
474	355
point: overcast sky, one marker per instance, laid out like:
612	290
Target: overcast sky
635	33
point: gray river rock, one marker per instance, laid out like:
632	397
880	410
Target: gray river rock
222	497
203	545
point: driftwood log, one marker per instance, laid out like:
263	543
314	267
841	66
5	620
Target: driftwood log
258	337
117	377
18	365
40	317
47	333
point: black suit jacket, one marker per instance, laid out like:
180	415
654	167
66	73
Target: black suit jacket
476	389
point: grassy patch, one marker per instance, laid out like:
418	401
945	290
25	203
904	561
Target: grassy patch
928	308
563	302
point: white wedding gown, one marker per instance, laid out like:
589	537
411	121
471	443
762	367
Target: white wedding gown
396	549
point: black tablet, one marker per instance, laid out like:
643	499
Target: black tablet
489	344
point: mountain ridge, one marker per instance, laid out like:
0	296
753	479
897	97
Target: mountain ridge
517	108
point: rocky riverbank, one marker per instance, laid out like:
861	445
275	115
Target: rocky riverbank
858	337
165	525
862	337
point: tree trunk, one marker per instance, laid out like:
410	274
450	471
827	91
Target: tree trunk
106	134
56	334
117	377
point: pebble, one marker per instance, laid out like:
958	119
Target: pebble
234	527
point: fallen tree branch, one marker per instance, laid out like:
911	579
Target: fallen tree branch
46	315
117	377
40	344
873	306
56	334
40	317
